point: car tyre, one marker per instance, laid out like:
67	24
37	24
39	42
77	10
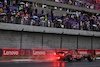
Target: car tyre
69	58
90	58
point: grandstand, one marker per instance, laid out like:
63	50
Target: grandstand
50	24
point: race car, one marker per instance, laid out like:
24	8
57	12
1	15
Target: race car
72	55
69	56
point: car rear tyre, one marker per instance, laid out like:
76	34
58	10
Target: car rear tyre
90	58
69	58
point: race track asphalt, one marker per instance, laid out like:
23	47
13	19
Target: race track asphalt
85	63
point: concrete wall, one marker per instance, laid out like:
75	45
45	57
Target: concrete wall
51	41
12	39
96	43
31	40
9	39
84	42
11	36
69	42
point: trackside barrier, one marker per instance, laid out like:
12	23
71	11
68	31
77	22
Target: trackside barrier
91	52
0	52
50	52
38	52
63	50
11	52
25	52
82	51
97	52
6	52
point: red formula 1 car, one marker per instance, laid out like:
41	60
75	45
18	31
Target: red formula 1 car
69	56
72	55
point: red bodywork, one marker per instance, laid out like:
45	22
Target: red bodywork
62	54
74	54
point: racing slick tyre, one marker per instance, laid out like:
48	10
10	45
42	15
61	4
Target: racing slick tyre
69	58
90	58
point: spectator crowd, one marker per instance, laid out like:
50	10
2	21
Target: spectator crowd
91	4
25	15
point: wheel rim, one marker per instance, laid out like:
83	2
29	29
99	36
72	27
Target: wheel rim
91	57
70	58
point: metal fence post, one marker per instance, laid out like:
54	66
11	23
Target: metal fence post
77	41
21	39
42	37
61	40
92	42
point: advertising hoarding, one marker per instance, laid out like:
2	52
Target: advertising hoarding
10	52
38	52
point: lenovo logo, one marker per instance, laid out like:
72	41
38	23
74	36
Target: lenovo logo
97	52
82	52
10	52
39	52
